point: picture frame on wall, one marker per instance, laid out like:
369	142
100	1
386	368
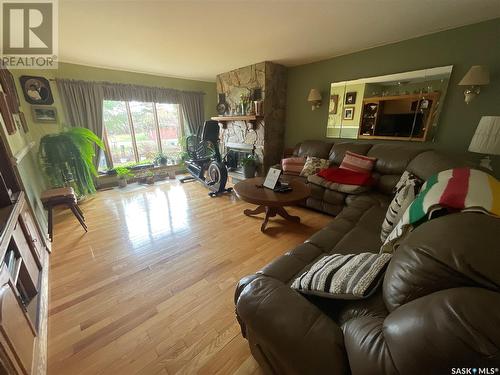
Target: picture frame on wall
348	113
334	104
350	97
36	90
44	114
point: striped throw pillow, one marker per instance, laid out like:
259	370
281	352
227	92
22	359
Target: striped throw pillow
357	163
406	190
293	165
343	276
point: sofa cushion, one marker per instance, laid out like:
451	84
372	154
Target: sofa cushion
293	166
406	190
334	186
314	165
318	149
337	276
338	150
357	163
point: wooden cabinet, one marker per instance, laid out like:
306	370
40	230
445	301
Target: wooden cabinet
401	117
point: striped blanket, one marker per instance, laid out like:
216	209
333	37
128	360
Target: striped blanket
454	190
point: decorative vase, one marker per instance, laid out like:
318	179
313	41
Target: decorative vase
122	183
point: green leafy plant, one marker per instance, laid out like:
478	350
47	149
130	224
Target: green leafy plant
160	159
249	160
123	173
67	156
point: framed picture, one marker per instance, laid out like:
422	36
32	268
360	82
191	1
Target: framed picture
348	113
334	104
272	178
44	114
36	90
8	119
350	98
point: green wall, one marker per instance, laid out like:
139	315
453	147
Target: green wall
476	44
87	73
28	168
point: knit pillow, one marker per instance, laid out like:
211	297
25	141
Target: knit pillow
357	163
343	276
293	165
313	165
405	192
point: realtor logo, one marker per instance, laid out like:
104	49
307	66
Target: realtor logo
29	34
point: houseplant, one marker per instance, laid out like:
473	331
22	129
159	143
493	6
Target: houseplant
123	174
68	156
249	165
160	159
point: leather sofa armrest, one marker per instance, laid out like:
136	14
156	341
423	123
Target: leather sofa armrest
452	328
294	331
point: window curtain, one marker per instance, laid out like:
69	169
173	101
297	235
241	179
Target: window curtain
82	104
192	109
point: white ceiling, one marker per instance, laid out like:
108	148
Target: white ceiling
200	38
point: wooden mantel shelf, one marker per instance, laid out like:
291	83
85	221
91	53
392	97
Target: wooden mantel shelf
249	119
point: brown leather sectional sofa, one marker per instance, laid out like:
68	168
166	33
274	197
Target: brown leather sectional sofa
437	311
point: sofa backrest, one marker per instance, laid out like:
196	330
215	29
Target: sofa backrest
392	160
431	162
318	149
338	150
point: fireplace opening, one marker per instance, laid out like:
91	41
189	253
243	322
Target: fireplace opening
235	153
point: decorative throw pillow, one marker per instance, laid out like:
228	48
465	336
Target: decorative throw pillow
344	276
357	163
293	165
406	190
313	165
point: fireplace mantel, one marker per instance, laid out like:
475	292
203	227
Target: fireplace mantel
252	119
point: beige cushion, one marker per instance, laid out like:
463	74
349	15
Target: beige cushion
313	165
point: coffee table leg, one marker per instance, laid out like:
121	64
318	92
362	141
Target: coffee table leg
270	212
256	211
285	215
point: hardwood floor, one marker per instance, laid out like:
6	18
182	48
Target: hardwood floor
149	289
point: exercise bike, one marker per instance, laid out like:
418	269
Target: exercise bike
204	161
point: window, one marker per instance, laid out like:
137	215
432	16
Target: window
134	132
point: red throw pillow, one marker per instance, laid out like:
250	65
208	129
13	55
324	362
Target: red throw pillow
293	165
357	163
347	177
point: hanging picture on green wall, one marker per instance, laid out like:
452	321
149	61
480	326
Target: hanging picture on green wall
348	113
350	98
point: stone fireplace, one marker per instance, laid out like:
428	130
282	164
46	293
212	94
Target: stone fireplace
265	135
236	152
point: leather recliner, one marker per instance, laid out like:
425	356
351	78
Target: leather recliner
437	310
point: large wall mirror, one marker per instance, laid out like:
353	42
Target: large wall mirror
402	106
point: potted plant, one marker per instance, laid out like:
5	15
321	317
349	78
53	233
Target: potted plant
69	156
123	174
160	159
249	165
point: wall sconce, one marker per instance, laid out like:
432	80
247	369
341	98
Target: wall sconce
476	76
314	98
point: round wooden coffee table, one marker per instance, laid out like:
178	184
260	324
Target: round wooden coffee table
251	191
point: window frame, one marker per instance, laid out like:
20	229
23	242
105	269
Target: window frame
156	123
